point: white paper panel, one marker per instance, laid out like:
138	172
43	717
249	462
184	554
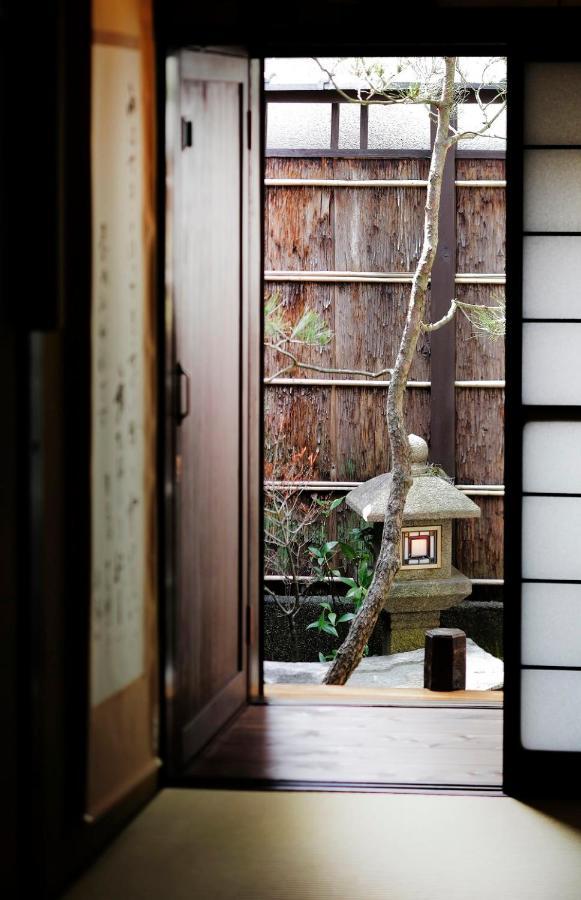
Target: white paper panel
552	457
349	125
551	363
299	126
551	538
552	190
551	710
551	277
551	624
552	114
118	387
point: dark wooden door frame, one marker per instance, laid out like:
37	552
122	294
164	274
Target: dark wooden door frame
173	771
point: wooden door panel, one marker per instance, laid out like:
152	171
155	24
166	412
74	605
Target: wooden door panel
208	281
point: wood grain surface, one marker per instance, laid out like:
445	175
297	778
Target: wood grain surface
318	228
358	745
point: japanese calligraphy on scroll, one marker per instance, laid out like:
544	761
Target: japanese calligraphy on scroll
118	400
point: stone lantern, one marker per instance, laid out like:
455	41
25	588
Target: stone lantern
427	581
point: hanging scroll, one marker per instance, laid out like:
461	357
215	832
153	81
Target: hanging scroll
118	477
122	639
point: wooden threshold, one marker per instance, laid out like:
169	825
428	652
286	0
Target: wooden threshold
308	694
339	747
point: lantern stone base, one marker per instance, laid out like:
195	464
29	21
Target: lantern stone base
407	631
415	606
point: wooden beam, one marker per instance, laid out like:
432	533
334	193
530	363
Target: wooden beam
386	153
316	94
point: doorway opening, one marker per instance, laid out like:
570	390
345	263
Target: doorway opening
326	428
348	150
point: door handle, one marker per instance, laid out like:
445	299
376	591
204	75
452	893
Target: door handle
182	394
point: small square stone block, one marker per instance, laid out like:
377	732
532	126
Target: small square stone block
445	660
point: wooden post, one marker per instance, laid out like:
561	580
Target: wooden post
334	126
363	127
443	342
445	660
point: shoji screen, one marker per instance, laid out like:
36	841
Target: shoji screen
545	730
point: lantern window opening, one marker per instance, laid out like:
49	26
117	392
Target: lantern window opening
421	547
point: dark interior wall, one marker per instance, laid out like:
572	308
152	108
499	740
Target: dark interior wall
31	298
314	26
44	388
45	264
45	278
12	369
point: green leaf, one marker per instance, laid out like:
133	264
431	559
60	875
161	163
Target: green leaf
312	625
326	606
348	581
322	657
332	618
346	617
353	594
362	571
312	329
347	551
314	551
330	629
336	503
328	547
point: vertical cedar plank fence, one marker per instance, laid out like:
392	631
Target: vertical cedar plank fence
326	228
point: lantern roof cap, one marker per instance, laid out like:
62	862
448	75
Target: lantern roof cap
430	499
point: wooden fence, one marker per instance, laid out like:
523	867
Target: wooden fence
456	397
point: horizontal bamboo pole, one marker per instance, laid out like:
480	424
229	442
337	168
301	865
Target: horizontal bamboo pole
359	383
488	385
483	493
376	277
371	183
478	487
331	489
492	582
315	485
349	485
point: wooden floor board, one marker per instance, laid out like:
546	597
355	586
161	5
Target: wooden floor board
358	745
366	696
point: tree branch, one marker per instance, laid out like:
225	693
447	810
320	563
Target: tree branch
399	96
435	326
297	363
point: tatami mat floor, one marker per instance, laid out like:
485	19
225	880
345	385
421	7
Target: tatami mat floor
242	845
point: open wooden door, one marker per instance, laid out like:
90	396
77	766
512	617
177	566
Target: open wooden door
213	223
543	565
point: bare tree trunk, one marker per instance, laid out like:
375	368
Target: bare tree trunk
388	561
